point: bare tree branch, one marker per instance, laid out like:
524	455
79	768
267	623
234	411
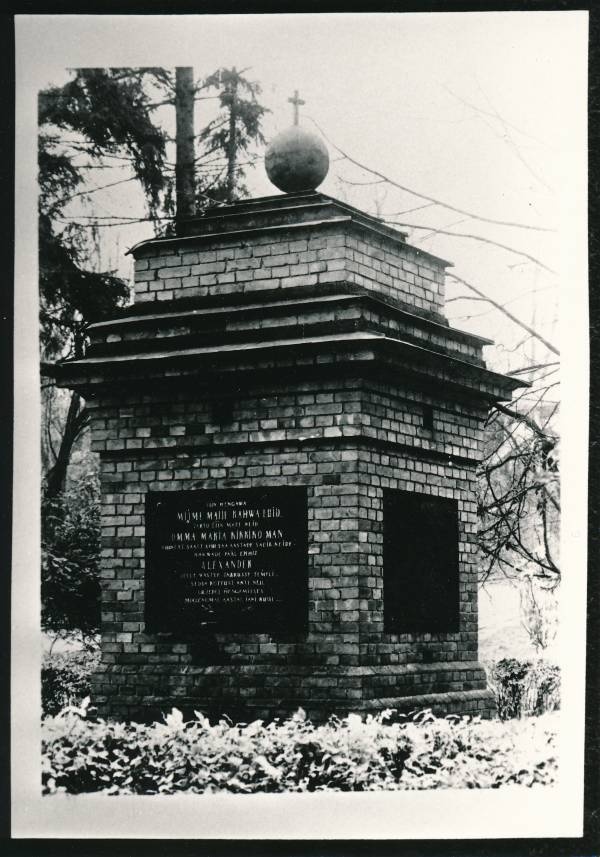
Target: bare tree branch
506	136
523	418
507	313
424	196
474	238
94	189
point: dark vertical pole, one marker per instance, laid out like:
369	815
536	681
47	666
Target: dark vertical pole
232	141
184	137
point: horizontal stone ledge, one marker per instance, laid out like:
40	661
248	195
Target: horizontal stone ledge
224	236
338	290
183	452
278	209
314	323
317	671
249	705
429	700
294	355
350	218
89	364
209	309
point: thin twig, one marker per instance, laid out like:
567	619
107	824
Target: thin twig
506	312
469	235
424	196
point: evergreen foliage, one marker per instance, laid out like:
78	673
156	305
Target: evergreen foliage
231	134
108	111
70	560
66	677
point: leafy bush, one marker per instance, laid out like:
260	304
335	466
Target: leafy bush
70	559
350	754
66	678
543	688
508	683
522	688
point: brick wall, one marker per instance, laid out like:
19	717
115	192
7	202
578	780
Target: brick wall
179	419
378	471
169	440
300	258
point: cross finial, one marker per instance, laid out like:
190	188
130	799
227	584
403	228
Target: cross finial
296	101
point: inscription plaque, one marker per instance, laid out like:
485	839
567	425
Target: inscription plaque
230	560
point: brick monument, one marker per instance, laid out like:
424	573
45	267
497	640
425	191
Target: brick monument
288	432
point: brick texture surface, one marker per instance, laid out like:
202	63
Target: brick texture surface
321	437
228	266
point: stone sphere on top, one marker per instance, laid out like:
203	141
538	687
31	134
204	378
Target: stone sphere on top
296	160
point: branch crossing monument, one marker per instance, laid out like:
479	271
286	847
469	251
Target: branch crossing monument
288	432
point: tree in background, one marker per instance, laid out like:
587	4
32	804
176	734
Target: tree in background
231	134
108	114
519	495
106	120
70	561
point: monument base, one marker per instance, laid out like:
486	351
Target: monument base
246	693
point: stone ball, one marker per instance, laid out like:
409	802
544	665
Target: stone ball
296	160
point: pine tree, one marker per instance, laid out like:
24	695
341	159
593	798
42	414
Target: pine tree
109	114
98	119
229	137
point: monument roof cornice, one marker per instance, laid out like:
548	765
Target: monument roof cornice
143	314
274	214
359	346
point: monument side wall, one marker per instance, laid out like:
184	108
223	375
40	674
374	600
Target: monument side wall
379	471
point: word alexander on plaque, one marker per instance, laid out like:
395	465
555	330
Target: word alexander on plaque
232	560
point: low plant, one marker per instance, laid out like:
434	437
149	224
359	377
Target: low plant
523	688
70	573
66	677
293	755
543	688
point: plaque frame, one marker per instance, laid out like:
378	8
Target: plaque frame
281	571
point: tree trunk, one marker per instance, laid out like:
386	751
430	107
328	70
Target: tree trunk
77	419
184	166
232	143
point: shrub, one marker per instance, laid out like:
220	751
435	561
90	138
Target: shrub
522	688
66	678
70	559
348	754
508	683
543	688
473	753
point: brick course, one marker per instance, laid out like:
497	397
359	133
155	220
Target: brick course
232	266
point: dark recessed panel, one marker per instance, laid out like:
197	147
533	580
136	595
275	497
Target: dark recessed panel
420	563
230	560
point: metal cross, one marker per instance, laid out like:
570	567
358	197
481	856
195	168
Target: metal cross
296	102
